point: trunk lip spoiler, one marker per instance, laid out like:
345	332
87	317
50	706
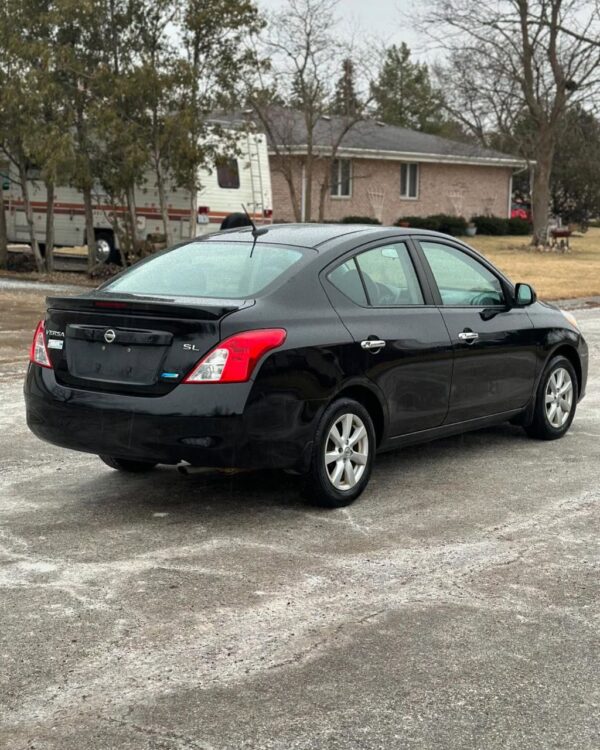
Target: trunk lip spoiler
191	307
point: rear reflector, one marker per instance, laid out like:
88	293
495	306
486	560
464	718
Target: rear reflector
39	353
114	305
235	358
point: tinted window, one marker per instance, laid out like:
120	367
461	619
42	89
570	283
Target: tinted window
347	279
228	175
209	269
389	276
461	279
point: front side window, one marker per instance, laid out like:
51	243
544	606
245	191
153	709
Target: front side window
228	174
389	276
409	180
226	270
341	178
461	279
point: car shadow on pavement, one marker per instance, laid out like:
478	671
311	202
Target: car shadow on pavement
223	494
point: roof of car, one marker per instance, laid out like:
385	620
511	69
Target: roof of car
315	235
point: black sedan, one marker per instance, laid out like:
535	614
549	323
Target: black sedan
307	348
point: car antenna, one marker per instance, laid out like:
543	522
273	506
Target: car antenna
256	231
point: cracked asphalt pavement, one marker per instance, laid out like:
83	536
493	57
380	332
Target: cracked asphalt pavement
456	605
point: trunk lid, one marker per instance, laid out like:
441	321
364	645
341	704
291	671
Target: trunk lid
131	344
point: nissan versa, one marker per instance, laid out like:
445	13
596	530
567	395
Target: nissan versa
301	347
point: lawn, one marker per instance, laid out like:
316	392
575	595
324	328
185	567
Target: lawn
554	275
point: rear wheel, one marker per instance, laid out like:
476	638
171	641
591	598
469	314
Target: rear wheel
125	464
342	456
556	400
105	246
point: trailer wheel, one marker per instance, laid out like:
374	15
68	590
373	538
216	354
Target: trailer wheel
105	247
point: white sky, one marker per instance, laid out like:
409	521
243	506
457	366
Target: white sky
388	20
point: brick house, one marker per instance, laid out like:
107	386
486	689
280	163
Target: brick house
385	172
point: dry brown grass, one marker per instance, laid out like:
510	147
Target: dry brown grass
554	275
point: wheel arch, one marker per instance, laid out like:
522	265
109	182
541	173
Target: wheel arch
372	402
570	353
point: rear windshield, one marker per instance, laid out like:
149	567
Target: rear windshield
209	269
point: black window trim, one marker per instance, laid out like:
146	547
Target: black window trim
420	272
506	285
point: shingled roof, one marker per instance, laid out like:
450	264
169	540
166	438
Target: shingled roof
375	140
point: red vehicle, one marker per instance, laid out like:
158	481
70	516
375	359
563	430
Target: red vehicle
520	211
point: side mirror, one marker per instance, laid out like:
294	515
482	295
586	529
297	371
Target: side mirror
524	295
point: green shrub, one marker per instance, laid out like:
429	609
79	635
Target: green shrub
519	226
494	225
454	225
419	222
359	220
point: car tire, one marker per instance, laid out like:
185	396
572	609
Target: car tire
106	251
345	429
127	465
555	400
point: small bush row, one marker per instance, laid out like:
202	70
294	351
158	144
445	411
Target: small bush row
496	225
454	225
457	225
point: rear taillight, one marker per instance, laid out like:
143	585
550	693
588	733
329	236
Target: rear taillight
268	213
203	210
39	352
235	358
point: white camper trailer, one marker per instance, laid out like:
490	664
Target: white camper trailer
244	179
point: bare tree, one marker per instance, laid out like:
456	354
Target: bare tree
516	59
294	95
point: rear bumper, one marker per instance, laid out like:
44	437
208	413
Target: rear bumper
206	425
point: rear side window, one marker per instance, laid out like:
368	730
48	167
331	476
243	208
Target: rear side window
347	279
389	276
228	174
227	270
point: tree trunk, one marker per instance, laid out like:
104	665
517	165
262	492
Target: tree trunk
3	230
540	202
288	175
162	198
132	221
308	176
39	261
89	227
323	190
193	211
50	225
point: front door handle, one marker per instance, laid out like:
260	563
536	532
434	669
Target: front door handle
372	345
468	336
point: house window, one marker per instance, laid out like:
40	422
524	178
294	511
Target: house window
409	180
228	175
341	178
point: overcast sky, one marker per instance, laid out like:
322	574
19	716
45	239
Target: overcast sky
389	20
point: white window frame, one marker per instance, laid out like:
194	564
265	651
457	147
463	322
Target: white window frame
408	165
338	185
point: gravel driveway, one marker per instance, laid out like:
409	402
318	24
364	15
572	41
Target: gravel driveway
456	605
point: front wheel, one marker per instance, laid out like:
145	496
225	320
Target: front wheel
342	457
127	465
556	400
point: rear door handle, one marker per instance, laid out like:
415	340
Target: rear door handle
372	345
468	336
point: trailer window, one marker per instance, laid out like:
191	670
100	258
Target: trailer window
228	174
227	270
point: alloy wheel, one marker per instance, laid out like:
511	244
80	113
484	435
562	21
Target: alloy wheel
346	452
559	397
